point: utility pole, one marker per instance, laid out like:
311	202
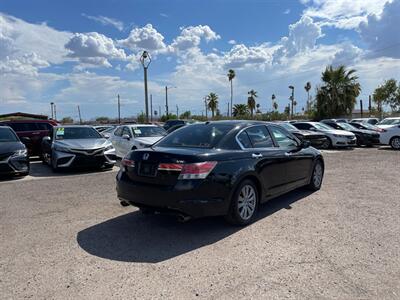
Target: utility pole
292	100
159	111
369	105
79	113
361	108
177	111
119	111
151	107
166	100
145	59
227	114
55	112
52	111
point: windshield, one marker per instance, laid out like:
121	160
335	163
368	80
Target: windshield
322	127
148	131
389	122
288	126
346	126
69	133
196	136
6	135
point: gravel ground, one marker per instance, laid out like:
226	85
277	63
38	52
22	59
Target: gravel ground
67	237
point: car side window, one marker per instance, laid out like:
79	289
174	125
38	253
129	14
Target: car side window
244	139
126	130
284	139
260	137
303	126
43	126
118	131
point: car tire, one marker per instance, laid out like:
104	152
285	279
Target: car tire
54	168
327	144
395	142
316	176
244	204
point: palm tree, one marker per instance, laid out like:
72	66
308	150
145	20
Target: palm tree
231	74
275	105
258	111
273	100
240	110
251	101
337	96
307	87
212	104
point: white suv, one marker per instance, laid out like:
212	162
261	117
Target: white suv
391	132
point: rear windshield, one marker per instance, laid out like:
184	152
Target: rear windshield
6	135
196	136
70	133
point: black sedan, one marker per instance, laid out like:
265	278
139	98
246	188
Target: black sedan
218	168
364	137
316	139
14	158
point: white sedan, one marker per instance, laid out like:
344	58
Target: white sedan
336	138
130	137
390	134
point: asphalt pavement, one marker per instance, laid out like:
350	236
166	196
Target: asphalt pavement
65	236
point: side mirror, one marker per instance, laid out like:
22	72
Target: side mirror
46	139
25	140
126	137
305	144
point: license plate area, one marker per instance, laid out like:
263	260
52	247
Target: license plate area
147	169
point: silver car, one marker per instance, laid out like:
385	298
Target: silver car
77	146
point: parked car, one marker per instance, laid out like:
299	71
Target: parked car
391	136
102	128
32	131
130	137
108	132
218	168
77	146
336	138
388	122
364	137
335	120
175	127
371	121
14	158
366	126
171	123
316	139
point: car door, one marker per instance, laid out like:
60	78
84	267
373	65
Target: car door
115	140
299	161
270	160
126	144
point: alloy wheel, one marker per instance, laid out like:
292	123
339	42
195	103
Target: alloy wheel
247	202
317	176
395	143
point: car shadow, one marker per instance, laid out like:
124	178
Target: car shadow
135	237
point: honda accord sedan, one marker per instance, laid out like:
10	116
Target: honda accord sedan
77	146
218	168
14	158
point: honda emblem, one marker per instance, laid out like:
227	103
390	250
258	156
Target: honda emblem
146	156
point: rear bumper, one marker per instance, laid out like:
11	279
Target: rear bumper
191	198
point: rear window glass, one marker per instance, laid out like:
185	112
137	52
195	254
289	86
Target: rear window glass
196	136
24	126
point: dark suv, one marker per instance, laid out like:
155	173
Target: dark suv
31	132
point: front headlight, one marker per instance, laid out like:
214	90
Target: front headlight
109	147
22	152
61	148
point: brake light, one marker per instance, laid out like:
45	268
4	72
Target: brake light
170	167
197	170
128	163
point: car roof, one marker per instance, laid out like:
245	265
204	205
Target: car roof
73	126
141	125
29	121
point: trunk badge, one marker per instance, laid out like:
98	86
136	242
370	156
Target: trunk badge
146	156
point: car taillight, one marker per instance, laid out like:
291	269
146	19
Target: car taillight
170	167
128	163
197	170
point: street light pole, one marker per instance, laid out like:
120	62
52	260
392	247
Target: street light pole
151	107
119	111
166	101
52	111
292	100
145	59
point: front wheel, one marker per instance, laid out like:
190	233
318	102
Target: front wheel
395	143
244	204
327	144
317	176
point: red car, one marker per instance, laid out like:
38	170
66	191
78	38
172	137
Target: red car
31	132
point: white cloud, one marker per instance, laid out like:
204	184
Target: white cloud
106	21
26	64
381	32
94	49
144	38
164	15
287	11
240	55
232	42
343	14
190	37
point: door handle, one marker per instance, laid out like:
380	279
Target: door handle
256	155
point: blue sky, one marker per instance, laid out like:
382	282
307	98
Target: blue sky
86	52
